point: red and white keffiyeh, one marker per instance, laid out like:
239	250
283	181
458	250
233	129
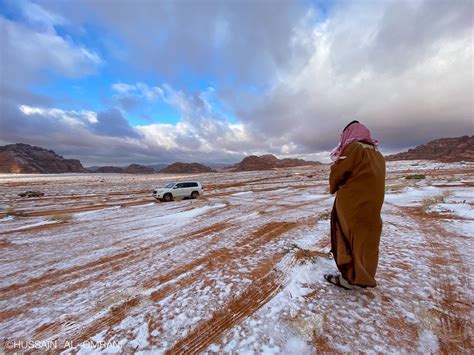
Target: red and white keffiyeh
355	132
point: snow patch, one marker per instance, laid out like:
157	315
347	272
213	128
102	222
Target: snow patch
243	193
32	225
141	338
412	196
428	343
296	345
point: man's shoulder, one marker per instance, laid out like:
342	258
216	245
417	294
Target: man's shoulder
352	147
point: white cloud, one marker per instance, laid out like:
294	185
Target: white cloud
37	15
139	89
123	88
402	67
151	94
203	139
416	89
161	135
215	37
200	129
82	117
27	53
93	57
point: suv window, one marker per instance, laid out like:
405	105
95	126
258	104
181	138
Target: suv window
179	186
193	184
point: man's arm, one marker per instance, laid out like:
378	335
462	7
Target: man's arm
342	169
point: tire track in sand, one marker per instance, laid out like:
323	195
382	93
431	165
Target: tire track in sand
270	281
59	277
453	305
196	270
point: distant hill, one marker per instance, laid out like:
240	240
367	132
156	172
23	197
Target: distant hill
268	162
445	150
138	169
109	169
158	167
131	169
23	158
185	168
213	165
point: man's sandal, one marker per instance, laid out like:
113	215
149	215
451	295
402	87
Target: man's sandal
338	280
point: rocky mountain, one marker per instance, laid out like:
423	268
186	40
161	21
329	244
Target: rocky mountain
138	169
444	150
109	170
267	162
158	167
185	168
131	169
26	159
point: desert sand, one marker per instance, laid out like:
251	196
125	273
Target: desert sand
98	264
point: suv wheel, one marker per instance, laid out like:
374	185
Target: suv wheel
167	197
195	194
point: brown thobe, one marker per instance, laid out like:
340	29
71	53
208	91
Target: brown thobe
356	225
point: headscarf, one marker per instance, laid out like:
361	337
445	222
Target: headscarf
353	132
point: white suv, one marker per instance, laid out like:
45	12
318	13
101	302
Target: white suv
174	190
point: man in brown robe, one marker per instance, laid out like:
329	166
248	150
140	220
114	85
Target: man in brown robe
358	178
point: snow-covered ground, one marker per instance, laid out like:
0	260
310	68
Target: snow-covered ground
98	265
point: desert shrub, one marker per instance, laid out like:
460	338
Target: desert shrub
324	215
395	188
61	217
430	202
416	177
9	211
31	194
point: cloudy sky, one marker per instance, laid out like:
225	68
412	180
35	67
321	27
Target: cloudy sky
158	81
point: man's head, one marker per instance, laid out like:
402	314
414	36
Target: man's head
355	121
